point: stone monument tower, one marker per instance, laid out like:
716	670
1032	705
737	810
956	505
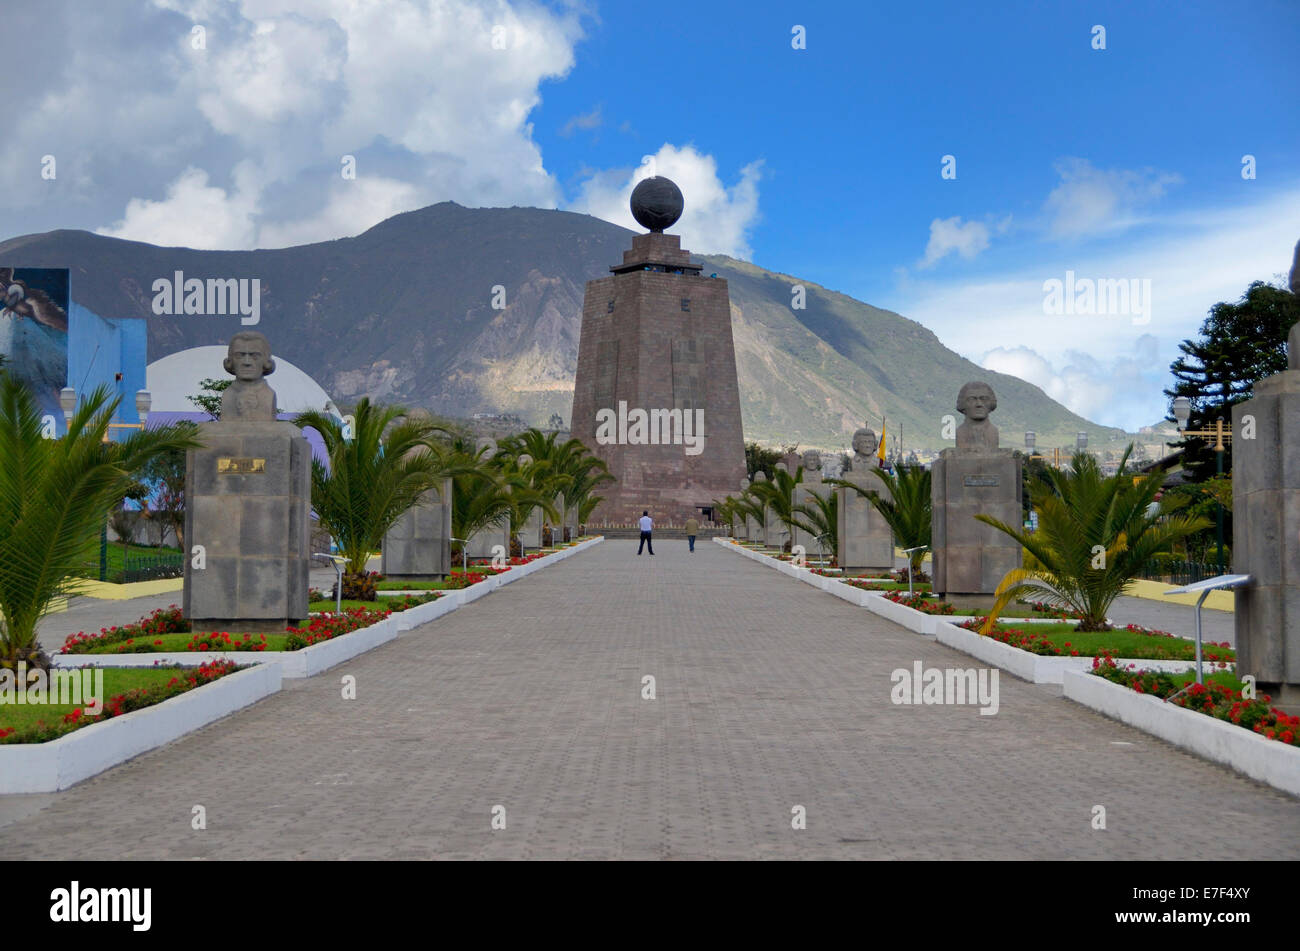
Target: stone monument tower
975	478
1265	518
248	493
655	394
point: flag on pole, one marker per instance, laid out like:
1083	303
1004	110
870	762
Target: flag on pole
880	451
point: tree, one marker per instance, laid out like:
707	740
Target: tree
759	459
210	400
777	495
164	474
1239	345
372	478
54	494
907	510
1095	535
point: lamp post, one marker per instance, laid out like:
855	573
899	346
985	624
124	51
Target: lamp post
1182	408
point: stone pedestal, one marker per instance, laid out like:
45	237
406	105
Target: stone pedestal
248	494
753	529
1266	537
969	556
803	493
418	546
480	544
866	542
530	533
775	533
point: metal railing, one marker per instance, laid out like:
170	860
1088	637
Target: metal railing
149	566
1178	572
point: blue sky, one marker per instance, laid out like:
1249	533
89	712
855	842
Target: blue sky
1122	164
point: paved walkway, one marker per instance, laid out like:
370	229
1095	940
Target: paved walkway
770	694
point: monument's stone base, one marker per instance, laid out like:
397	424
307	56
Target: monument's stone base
865	539
753	530
1266	537
969	556
248	494
803	493
418	545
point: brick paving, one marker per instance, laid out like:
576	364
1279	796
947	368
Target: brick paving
770	694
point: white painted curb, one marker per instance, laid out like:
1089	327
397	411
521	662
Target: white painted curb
58	764
1265	760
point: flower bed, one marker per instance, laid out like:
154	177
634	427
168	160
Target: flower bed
1129	642
164	631
919	603
1219	697
67	718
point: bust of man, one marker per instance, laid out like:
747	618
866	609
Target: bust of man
812	466
976	401
249	397
782	467
760	476
744	485
864	449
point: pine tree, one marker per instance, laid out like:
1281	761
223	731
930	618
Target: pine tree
1239	344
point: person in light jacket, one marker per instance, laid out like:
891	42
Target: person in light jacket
692	529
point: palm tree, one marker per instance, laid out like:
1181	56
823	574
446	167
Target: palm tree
372	478
1094	536
480	496
54	497
907	510
778	495
819	517
748	505
567	467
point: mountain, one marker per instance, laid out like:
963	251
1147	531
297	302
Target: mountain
403	312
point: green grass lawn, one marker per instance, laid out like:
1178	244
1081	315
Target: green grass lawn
1126	644
882	585
409	586
116	680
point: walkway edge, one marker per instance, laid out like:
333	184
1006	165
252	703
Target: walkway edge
1268	761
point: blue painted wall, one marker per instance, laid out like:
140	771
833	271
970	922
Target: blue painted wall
98	349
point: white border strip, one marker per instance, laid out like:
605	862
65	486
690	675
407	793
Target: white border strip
58	764
1265	760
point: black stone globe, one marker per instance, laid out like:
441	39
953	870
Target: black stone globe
657	203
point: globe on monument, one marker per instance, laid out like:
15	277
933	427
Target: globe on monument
657	203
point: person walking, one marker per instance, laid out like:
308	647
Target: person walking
692	529
647	526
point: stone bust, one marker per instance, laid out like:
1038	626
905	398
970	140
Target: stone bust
744	485
864	449
249	397
782	467
976	401
760	476
812	466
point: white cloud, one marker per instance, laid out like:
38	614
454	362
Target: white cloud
1195	259
949	234
1097	390
1091	200
716	219
586	120
414	88
194	214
